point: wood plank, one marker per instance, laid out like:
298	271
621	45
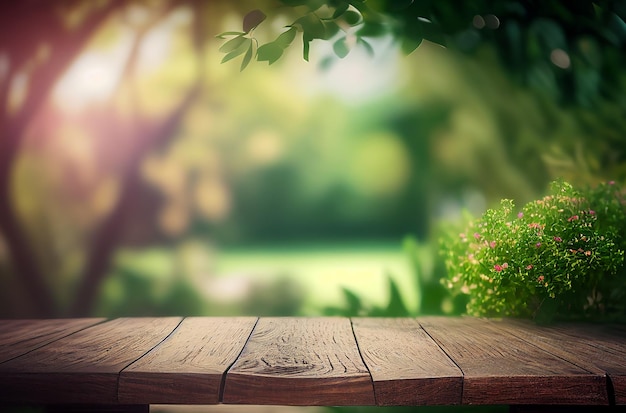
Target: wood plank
82	367
18	337
408	368
188	367
300	362
500	368
597	348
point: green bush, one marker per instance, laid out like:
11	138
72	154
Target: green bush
559	257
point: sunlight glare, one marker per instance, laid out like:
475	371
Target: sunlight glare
93	77
357	77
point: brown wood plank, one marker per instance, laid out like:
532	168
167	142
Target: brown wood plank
82	367
300	361
597	348
407	367
500	368
18	337
188	367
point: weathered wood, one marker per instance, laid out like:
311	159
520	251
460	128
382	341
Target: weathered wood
130	363
188	367
500	368
300	361
597	348
407	366
82	367
18	337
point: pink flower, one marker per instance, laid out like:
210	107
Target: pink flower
505	266
558	239
611	182
540	279
529	267
537	245
497	267
592	212
476	235
520	214
572	218
492	244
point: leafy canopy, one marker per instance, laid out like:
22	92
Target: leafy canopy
575	47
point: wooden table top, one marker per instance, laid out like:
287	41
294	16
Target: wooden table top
310	361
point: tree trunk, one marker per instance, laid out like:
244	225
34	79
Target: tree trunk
66	46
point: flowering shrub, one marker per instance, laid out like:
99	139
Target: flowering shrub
558	257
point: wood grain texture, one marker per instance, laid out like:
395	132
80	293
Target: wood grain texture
82	367
188	367
597	348
310	361
300	361
18	337
407	366
500	368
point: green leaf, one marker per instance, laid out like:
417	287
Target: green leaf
285	39
430	31
372	29
269	52
368	47
228	34
246	58
352	17
238	51
396	307
232	44
306	48
253	19
419	30
312	26
326	62
409	44
340	9
331	29
341	48
353	301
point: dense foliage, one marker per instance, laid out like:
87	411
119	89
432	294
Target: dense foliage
573	51
561	256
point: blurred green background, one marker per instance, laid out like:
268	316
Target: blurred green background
141	176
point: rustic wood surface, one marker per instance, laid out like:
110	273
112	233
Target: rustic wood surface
407	366
596	348
188	367
18	337
310	361
300	361
500	368
82	367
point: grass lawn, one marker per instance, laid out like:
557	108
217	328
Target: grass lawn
323	269
225	275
